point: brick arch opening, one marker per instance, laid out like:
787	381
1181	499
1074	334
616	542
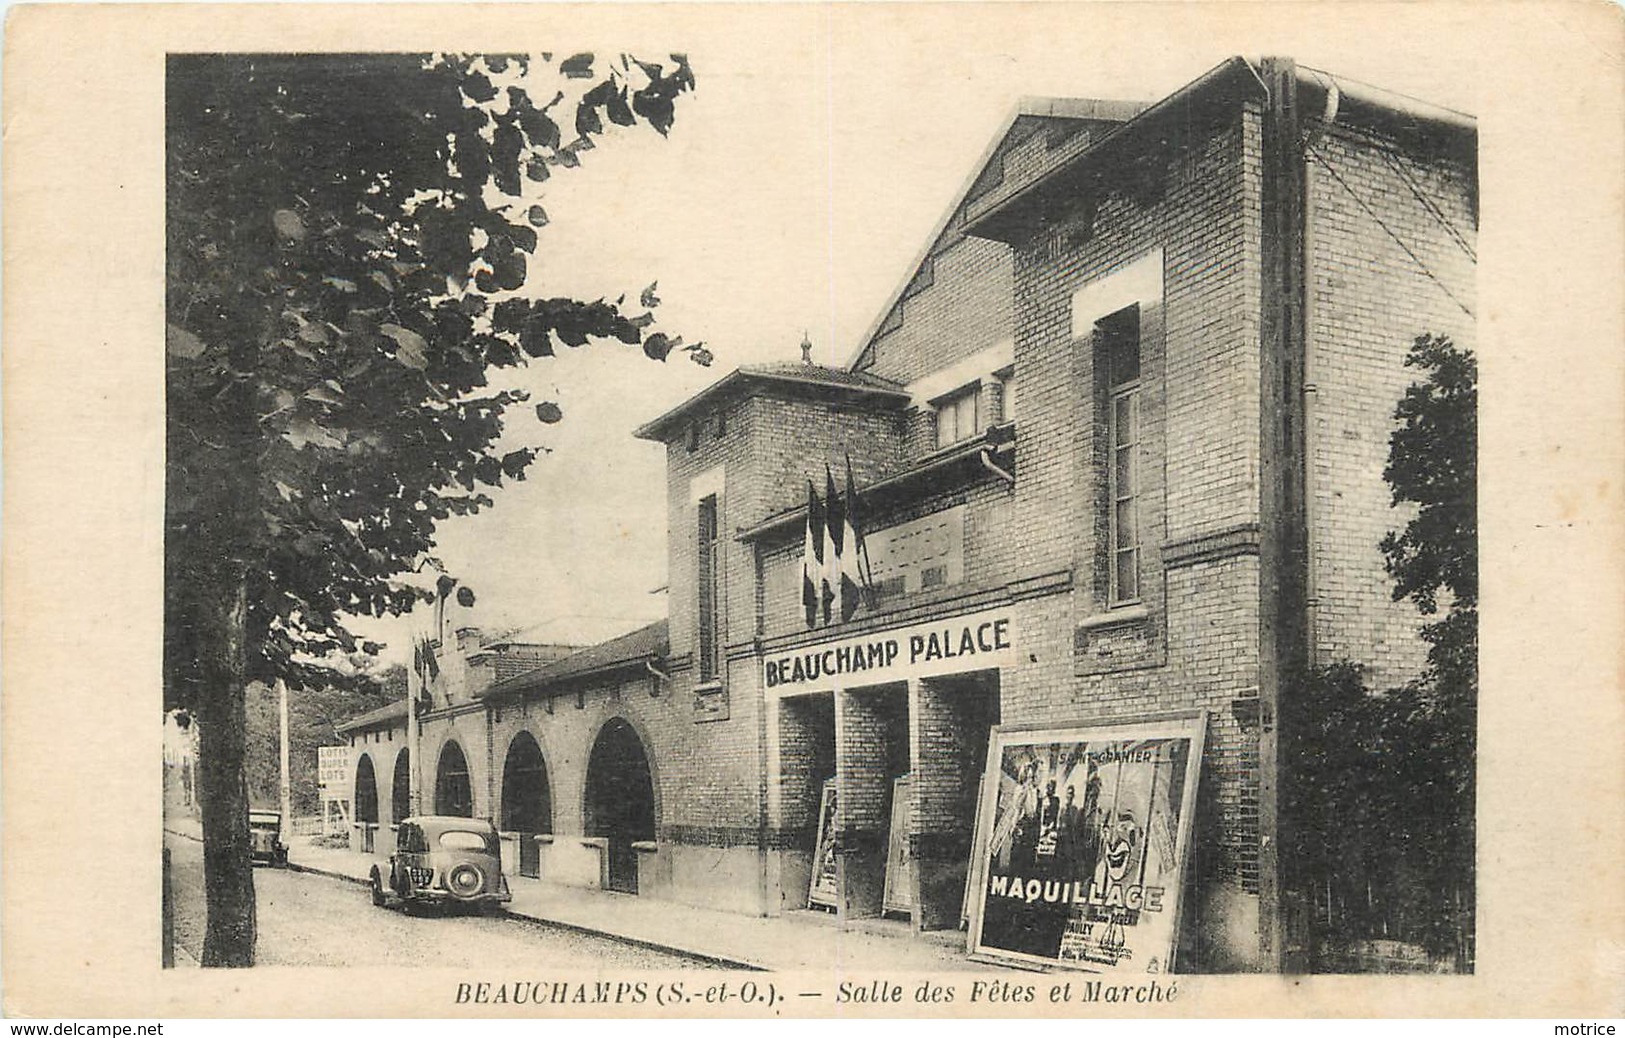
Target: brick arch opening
620	799
400	788
366	790
453	790
527	799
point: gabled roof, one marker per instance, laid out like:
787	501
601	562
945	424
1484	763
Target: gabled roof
1424	127
836	384
645	645
1027	108
383	716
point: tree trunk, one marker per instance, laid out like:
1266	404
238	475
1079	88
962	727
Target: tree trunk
228	873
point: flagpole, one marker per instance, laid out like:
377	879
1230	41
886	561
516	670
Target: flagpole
865	568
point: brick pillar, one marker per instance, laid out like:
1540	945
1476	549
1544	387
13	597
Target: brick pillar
806	759
949	723
862	752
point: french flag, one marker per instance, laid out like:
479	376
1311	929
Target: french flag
812	558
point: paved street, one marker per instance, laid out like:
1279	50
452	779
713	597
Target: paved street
311	920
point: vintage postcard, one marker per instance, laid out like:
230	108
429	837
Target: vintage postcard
809	510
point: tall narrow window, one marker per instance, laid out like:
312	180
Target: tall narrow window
1120	351
708	627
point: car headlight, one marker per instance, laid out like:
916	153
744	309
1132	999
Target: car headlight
465	880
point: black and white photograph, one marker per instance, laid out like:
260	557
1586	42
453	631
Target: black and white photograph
810	496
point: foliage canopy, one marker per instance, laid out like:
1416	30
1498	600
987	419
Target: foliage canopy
347	236
347	241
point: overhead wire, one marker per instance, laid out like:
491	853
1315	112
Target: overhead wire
1314	152
1430	205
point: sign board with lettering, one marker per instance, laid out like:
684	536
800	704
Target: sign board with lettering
976	641
1081	847
333	771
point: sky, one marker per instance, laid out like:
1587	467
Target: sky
799	184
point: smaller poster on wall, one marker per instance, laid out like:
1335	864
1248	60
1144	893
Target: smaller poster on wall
1080	851
899	893
824	887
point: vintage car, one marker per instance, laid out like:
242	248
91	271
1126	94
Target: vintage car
441	859
265	837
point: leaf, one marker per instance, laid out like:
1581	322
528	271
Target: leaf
465	597
288	224
549	413
322	394
537	216
587	121
515	462
182	343
535	337
508	270
510	315
618	111
536	169
478	88
648	299
657	346
525	237
302	433
410	347
342	284
577	66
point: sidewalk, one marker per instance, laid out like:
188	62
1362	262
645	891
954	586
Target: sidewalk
800	941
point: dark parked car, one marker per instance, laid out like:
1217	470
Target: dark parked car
442	859
265	837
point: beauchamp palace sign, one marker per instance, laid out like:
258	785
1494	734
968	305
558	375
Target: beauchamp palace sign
977	641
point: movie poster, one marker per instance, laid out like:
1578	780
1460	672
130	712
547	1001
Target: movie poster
1082	844
824	887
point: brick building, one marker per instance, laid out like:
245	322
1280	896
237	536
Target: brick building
1117	440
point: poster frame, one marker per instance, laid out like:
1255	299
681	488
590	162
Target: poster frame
1170	724
828	802
898	894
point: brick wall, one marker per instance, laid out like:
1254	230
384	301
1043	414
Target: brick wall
1197	647
1370	299
705	774
806	757
966	308
871	733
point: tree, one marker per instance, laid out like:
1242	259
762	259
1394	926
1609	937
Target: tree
1383	784
347	241
1433	465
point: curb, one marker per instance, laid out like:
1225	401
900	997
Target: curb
724	961
711	958
294	866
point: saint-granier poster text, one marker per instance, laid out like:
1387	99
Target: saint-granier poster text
1082	844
